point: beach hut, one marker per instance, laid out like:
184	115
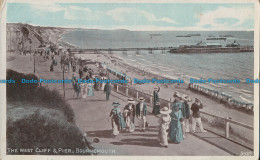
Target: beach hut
249	106
244	106
238	104
199	88
220	96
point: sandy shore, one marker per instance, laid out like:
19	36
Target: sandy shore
166	92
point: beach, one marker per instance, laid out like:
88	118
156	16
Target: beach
166	92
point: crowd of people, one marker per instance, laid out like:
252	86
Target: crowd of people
173	123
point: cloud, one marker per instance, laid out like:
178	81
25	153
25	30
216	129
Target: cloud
46	7
78	13
83	13
224	17
123	14
70	12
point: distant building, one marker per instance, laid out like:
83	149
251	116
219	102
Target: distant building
206	44
14	37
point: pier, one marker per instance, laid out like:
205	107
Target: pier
123	50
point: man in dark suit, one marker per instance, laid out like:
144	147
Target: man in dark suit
141	110
107	90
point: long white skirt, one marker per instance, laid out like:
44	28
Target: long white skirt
115	128
130	124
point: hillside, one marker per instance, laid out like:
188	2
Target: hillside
35	36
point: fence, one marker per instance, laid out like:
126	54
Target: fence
230	129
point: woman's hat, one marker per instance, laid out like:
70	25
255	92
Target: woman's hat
186	98
115	104
176	94
141	99
156	88
165	110
130	100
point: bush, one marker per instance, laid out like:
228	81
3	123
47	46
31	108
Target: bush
19	90
34	94
39	131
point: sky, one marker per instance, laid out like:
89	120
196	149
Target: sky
135	16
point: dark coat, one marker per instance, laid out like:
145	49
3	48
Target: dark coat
138	109
186	110
155	97
107	88
130	111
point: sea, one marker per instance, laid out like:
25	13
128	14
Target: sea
228	66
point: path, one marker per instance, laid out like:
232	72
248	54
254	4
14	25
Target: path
91	117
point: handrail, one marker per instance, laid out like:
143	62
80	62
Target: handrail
226	120
229	120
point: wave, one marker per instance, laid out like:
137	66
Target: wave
246	91
245	99
215	85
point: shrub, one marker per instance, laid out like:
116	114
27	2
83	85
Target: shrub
19	90
40	131
32	93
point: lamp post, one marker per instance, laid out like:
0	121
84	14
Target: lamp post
34	63
63	70
30	53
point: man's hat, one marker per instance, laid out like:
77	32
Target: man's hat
115	103
165	110
130	100
196	99
141	99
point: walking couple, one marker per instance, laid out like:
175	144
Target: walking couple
127	119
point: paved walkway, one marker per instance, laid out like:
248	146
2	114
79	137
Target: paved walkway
91	116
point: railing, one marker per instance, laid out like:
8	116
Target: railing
230	129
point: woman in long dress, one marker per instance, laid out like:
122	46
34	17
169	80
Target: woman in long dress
84	90
90	90
164	122
175	133
103	84
129	115
117	120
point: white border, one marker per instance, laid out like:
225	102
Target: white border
3	90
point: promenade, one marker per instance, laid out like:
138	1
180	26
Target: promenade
92	114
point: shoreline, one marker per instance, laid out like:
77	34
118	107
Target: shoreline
166	89
213	106
64	43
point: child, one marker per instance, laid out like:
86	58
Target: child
164	122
